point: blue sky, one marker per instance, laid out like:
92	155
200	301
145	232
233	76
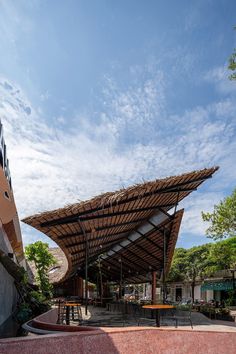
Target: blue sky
99	95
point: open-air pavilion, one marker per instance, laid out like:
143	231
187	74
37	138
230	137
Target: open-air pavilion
126	236
130	237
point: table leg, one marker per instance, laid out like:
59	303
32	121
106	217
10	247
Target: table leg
67	315
158	321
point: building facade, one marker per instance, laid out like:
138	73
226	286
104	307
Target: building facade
10	241
215	288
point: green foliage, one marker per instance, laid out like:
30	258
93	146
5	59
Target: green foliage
232	64
199	262
178	267
38	253
183	307
24	313
39	297
213	312
32	303
222	255
197	259
202	261
223	219
23	276
188	264
231	299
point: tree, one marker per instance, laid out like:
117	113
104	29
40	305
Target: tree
197	261
223	219
178	266
232	64
222	255
188	265
38	253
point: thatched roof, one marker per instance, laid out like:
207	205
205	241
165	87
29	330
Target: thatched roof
109	219
55	272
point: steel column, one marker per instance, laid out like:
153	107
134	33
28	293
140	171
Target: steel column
164	267
154	285
86	265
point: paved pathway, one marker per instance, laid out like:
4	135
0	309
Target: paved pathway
100	317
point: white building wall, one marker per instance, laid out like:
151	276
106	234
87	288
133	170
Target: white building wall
197	292
209	295
186	291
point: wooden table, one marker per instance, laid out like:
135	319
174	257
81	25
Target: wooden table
68	306
157	309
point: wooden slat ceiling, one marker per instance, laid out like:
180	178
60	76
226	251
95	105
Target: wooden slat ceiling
110	218
140	257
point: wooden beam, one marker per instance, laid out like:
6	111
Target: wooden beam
128	260
88	217
146	236
101	228
79	243
135	255
135	244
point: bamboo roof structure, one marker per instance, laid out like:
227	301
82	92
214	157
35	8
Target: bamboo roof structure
131	228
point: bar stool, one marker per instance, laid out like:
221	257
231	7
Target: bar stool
71	311
61	315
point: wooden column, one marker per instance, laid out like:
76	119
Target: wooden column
154	285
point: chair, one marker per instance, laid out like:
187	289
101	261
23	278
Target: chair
127	314
139	316
182	313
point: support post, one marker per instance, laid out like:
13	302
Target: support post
101	282
121	276
86	266
86	277
154	285
164	268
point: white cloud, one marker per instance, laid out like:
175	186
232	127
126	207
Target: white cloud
220	77
131	140
192	223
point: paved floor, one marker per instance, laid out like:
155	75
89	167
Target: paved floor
100	317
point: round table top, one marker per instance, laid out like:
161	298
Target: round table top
158	306
72	304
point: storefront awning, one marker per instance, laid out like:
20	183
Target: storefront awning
218	285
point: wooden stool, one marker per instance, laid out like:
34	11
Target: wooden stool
61	316
75	310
